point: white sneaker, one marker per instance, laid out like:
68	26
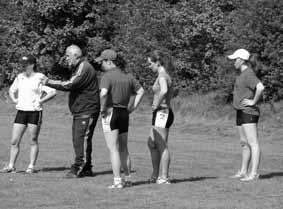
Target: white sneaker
162	180
250	177
30	170
238	175
118	184
8	169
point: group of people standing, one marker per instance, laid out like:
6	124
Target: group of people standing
114	99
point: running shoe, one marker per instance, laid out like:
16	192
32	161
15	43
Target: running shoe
162	180
73	173
30	170
116	186
8	169
238	175
250	177
152	180
127	182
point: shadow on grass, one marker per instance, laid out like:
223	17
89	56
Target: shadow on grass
271	175
175	181
197	178
54	169
108	172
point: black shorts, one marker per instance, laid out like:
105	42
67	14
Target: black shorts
28	117
162	117
118	118
244	118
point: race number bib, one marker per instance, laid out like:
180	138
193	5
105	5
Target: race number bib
106	120
161	118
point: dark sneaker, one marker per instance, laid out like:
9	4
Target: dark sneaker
152	180
86	173
73	173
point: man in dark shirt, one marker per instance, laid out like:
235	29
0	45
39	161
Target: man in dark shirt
84	105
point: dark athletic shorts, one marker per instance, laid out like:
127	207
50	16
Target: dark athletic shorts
244	118
162	117
28	117
117	119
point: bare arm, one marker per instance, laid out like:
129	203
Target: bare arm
258	93
49	95
138	98
13	96
103	99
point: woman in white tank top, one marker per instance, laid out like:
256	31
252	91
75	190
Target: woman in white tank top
28	94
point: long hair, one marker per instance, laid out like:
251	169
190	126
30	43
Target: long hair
253	63
164	59
120	62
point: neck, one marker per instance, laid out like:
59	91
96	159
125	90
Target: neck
29	72
243	67
161	69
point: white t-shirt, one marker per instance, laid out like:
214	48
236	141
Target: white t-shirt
29	91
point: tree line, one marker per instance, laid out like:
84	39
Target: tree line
197	33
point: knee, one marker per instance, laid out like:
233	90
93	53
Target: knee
151	143
123	149
33	141
243	144
15	142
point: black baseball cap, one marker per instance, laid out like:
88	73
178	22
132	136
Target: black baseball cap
28	59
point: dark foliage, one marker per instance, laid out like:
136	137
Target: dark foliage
197	33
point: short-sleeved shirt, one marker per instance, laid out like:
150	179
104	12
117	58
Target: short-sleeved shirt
245	88
29	89
120	87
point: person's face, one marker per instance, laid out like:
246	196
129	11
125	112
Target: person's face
238	63
152	65
106	65
28	67
71	58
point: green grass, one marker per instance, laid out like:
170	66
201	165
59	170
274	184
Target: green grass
204	147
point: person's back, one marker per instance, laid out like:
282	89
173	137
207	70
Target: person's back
121	87
84	98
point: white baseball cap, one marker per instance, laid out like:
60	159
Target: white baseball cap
240	53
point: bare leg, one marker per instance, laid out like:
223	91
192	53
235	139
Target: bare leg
34	147
124	153
113	146
246	152
17	133
161	139
251	133
155	155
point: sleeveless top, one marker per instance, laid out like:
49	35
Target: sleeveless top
156	90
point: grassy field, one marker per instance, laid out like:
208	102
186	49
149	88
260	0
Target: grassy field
204	147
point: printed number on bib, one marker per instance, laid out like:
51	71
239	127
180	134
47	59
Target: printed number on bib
106	121
161	118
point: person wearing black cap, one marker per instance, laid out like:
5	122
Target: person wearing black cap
28	94
117	87
84	105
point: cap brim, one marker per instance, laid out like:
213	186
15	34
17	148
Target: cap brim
232	57
98	59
